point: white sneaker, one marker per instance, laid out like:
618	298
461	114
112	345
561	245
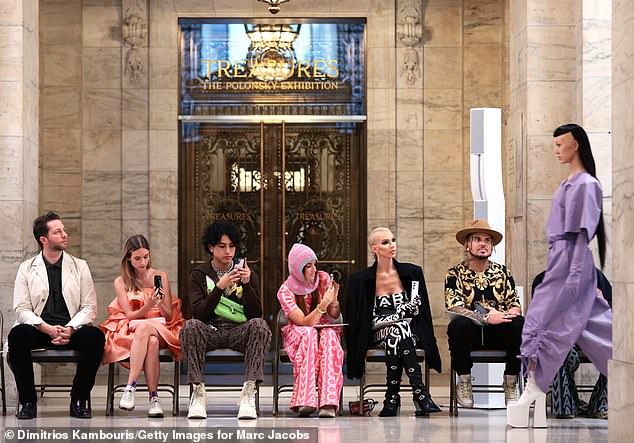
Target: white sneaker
464	391
510	388
155	408
127	399
247	401
198	402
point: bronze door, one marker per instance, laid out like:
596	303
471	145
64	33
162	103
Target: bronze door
281	183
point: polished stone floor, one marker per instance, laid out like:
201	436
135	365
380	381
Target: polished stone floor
470	426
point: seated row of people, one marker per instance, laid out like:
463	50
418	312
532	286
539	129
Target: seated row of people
387	307
56	304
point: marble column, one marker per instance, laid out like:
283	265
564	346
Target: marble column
594	43
594	48
621	368
381	124
407	80
134	119
162	161
543	86
18	146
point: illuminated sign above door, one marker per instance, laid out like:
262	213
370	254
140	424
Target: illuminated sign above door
308	67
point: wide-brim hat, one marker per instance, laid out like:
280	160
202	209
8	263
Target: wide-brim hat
478	226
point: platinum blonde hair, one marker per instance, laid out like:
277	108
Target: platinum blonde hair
374	232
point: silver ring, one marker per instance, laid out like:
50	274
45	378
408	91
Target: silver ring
506	316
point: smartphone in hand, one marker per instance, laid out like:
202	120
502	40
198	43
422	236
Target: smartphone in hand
480	309
158	284
238	263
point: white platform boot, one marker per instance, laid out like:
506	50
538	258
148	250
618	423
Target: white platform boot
517	413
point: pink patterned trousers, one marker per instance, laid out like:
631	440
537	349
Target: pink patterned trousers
317	359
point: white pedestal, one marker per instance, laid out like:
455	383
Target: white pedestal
488	374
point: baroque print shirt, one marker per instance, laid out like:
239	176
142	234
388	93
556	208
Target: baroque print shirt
494	287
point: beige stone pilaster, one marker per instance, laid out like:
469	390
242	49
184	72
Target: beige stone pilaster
621	368
162	161
101	137
407	81
135	139
19	64
544	69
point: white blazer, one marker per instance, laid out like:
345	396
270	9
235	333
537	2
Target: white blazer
31	290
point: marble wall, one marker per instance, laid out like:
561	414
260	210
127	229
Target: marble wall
562	51
621	369
459	35
544	65
81	120
19	140
594	76
120	125
111	108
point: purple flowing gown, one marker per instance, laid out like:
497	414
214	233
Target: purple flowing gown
558	316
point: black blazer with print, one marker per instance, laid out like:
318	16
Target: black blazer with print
360	295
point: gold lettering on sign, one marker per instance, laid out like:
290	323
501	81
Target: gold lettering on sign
225	69
233	216
270	86
316	216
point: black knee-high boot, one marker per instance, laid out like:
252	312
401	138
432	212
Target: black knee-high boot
422	399
392	401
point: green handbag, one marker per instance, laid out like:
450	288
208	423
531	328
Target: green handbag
227	308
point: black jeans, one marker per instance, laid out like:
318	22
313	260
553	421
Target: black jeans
465	336
87	340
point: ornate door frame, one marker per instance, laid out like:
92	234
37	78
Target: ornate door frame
233	167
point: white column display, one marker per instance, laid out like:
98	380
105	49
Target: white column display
488	203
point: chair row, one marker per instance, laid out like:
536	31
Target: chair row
372	356
218	356
223	356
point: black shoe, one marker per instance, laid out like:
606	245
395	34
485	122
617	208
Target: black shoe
80	408
423	402
27	410
391	406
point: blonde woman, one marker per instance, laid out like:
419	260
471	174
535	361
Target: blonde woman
388	307
144	317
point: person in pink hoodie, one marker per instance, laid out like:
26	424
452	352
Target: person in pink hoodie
312	337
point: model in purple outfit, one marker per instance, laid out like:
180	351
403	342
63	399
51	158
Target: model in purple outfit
566	307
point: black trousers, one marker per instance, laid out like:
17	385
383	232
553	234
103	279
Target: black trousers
87	340
465	336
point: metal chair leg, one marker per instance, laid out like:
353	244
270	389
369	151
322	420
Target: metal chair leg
110	391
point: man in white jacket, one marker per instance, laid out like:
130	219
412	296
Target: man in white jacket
55	303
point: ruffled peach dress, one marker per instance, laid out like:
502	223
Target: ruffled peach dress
119	337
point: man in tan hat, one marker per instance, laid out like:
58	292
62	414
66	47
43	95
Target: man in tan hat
480	298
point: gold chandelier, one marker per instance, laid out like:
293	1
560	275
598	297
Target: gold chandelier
271	54
274	5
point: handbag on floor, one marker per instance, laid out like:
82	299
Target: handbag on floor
368	406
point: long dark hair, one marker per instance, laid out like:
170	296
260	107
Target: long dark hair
587	160
314	301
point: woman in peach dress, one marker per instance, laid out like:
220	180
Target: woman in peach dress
144	316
